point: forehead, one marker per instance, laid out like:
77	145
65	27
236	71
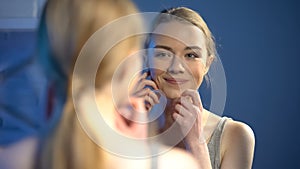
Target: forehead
186	33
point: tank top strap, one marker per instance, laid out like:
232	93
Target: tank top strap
215	143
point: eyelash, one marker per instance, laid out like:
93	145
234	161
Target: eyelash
165	54
195	56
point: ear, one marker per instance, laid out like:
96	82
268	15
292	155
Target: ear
209	60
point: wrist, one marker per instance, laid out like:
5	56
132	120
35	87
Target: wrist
195	140
202	139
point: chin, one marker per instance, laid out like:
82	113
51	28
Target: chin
172	94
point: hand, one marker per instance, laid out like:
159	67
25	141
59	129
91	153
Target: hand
188	114
141	91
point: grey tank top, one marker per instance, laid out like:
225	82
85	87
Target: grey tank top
213	147
214	144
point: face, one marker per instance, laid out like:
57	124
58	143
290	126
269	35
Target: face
178	60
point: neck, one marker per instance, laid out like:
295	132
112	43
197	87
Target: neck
169	110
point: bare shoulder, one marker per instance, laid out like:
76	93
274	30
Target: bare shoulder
237	145
177	158
235	131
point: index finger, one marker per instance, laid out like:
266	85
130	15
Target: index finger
194	95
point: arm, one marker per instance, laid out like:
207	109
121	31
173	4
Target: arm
200	152
237	146
188	114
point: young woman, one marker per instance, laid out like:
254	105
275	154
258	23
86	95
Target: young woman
180	52
73	53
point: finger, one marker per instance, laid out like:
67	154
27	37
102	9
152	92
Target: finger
178	118
182	111
146	92
144	83
185	102
195	110
150	83
142	93
149	100
154	96
181	121
140	79
194	95
177	101
143	76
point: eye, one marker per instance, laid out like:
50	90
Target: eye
162	54
192	56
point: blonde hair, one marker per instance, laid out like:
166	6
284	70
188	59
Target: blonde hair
70	23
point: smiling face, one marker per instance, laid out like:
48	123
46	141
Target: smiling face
178	58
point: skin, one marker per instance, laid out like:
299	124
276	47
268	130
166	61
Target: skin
181	61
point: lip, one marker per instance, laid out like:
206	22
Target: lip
175	81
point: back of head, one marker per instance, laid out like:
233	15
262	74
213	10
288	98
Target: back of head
67	25
70	23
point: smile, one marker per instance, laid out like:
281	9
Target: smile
175	81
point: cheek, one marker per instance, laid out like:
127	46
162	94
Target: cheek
159	64
198	72
157	68
155	73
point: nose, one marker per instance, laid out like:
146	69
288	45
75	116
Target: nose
176	66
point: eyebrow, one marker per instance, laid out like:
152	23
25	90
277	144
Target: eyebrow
192	48
165	47
171	50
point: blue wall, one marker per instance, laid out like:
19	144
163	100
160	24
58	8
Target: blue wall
22	87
